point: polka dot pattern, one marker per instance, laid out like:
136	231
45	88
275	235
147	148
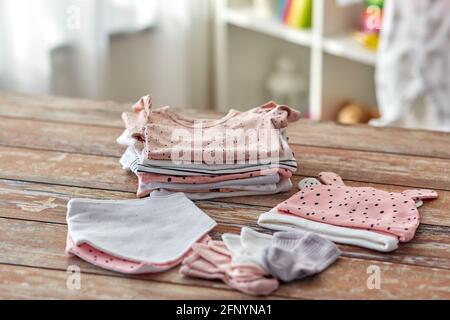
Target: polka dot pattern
156	128
106	261
147	177
358	207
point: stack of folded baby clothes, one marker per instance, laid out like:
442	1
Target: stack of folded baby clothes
243	153
253	262
360	216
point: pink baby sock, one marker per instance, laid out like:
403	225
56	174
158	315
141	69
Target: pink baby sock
358	207
259	287
196	266
213	261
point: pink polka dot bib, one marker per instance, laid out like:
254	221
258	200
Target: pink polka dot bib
357	207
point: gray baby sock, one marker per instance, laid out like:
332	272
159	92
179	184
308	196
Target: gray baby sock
295	255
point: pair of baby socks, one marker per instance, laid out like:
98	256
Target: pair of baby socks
212	261
285	255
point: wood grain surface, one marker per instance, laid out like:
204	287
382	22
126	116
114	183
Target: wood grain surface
53	149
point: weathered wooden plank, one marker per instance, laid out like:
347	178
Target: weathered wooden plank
64	137
366	138
46	203
72	110
42	245
373	167
350	276
61	109
18	282
65	168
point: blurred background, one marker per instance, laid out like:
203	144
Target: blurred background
351	61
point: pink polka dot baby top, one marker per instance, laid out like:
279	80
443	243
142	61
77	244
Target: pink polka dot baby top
358	207
253	133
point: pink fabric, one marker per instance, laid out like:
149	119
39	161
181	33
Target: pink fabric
156	127
213	262
107	261
143	190
146	177
358	207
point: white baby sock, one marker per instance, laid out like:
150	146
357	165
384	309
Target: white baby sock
248	248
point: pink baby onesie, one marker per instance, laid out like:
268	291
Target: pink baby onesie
159	129
358	207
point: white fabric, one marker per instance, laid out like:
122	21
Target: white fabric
130	161
168	164
357	237
125	139
181	171
282	186
308	182
151	230
413	64
263	183
248	247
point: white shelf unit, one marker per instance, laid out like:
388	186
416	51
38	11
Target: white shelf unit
337	68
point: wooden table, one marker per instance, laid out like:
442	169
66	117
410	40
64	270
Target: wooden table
53	149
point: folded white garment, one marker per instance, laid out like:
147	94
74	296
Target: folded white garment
290	165
130	160
151	230
357	237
